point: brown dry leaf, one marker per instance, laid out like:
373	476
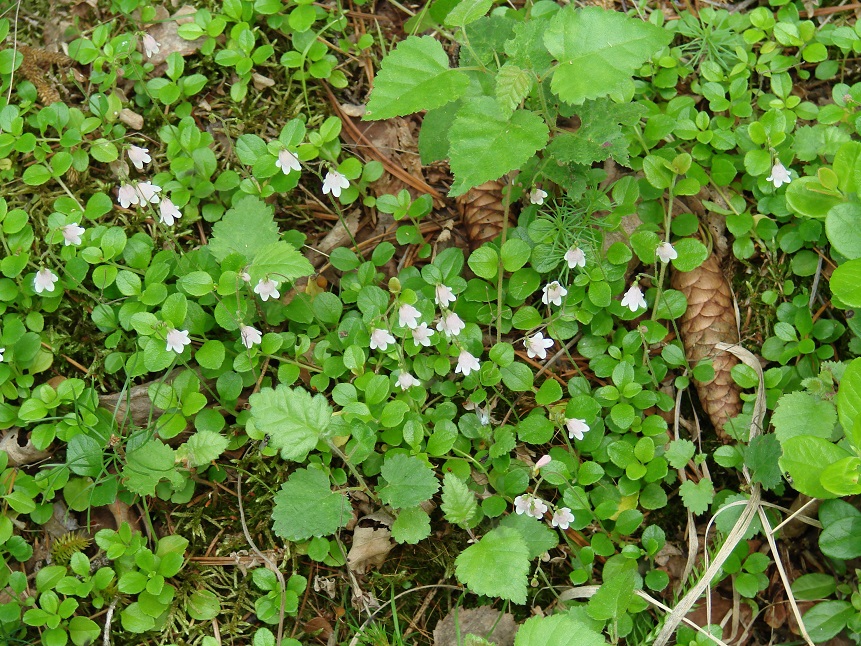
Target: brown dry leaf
372	542
710	319
722	608
483	213
132	119
397	140
483	621
166	34
19	448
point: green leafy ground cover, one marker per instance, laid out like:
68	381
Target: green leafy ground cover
519	413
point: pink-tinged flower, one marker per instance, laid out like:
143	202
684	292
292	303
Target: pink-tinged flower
177	340
45	279
267	289
553	293
466	363
530	505
451	324
334	183
577	428
536	346
562	518
2	350
779	175
151	45
127	195
168	212
249	335
287	161
536	196
444	296
148	192
575	257
244	275
666	252
633	298
422	335
139	156
408	316
72	234
543	461
381	338
407	381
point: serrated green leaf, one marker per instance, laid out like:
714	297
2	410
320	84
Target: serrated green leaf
467	11
245	229
512	86
615	594
539	538
306	506
409	481
849	395
458	502
294	420
761	457
496	566
205	446
801	413
279	261
148	465
804	458
486	143
601	134
697	496
526	47
411	526
598	52
557	630
414	76
679	452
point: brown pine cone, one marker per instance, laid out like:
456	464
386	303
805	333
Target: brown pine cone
483	213
709	319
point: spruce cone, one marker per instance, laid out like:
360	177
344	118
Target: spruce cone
35	68
711	318
483	213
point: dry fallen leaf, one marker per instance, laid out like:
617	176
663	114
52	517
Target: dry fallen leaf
19	448
710	319
372	542
483	621
166	34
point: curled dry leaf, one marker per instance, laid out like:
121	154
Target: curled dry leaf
372	542
483	213
483	621
710	319
166	33
132	119
20	449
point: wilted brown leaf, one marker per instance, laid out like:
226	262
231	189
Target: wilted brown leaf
710	319
483	621
372	542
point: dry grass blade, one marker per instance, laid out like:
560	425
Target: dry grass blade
752	507
709	320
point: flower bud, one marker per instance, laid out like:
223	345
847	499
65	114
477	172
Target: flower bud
394	285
